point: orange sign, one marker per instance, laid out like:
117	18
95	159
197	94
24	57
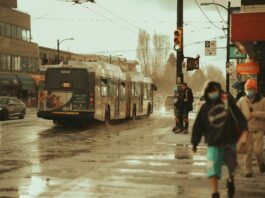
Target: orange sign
247	68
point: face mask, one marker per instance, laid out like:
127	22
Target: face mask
250	93
214	95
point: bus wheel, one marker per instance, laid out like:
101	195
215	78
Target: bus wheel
134	113
107	116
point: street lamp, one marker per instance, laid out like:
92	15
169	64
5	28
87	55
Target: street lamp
58	46
228	9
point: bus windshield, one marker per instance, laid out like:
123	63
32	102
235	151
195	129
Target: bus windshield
66	79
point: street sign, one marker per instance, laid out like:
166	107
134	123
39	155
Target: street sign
210	48
236	54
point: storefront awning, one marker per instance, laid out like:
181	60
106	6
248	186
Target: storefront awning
7	79
27	82
247	68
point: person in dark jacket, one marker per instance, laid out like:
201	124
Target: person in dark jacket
215	121
187	105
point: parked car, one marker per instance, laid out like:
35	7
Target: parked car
168	105
200	102
11	107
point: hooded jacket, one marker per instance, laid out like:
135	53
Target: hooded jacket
216	122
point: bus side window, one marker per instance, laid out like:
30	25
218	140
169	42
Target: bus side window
104	87
122	90
136	89
146	91
111	87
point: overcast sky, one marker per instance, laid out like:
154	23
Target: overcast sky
112	26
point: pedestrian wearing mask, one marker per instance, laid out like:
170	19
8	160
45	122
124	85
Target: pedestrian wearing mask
253	107
215	122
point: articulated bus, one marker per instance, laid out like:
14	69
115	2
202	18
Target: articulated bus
94	90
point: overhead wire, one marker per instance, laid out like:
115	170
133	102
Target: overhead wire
132	31
45	15
116	15
207	16
219	14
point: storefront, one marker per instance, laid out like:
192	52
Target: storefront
27	88
248	33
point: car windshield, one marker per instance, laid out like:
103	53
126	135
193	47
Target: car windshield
3	100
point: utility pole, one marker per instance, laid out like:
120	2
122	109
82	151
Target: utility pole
180	53
58	51
228	47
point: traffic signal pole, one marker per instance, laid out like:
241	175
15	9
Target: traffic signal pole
228	48
180	52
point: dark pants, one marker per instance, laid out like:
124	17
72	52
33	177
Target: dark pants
186	119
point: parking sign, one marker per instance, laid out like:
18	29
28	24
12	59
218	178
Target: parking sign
210	48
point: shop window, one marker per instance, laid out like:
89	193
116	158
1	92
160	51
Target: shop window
19	33
24	34
8	30
2	29
14	31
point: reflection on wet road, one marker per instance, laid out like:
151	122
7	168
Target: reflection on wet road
140	158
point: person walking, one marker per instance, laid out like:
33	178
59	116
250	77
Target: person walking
178	111
187	105
253	107
215	122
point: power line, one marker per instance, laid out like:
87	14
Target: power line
114	14
218	11
45	15
132	31
207	16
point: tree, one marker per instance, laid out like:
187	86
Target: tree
143	51
161	49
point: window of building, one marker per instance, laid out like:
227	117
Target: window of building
2	61
18	63
19	33
8	62
24	34
28	36
24	64
8	30
14	31
2	29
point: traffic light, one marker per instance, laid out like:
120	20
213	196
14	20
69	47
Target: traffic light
178	34
193	63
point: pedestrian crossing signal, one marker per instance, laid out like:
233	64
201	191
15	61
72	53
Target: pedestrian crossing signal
193	63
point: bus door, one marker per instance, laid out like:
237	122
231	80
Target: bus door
141	97
116	98
91	90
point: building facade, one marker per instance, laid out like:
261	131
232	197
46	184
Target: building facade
17	52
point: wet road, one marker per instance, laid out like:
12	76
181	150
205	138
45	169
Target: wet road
140	158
